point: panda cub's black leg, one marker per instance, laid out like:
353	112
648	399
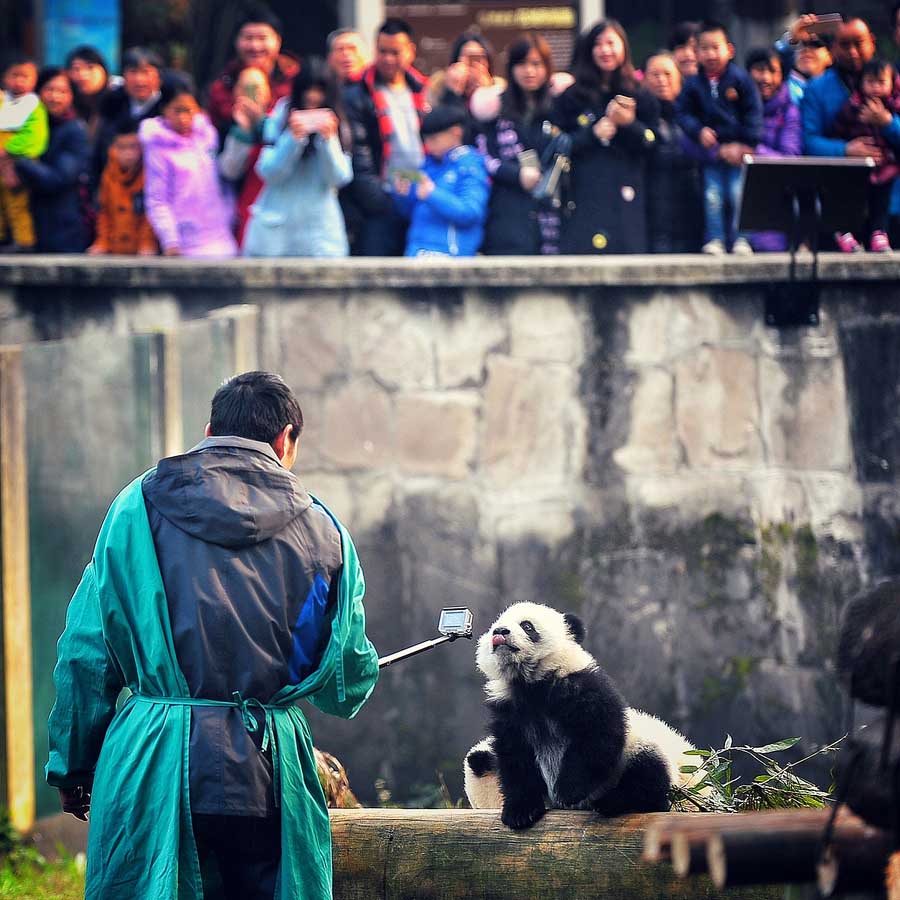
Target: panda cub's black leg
481	762
643	787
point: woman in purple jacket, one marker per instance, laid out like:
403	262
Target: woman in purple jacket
184	199
782	132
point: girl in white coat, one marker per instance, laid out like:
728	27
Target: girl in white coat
303	165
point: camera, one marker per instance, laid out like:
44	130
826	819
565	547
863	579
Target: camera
455	621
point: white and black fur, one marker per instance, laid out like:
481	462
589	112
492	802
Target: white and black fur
561	735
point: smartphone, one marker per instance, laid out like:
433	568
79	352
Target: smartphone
626	102
314	119
411	175
827	23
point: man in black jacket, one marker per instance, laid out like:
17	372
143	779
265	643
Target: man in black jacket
385	109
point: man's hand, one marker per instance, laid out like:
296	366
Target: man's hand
620	113
76	801
733	153
402	186
424	187
864	146
874	112
800	28
708	138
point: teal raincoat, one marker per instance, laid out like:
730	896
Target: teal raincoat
140	844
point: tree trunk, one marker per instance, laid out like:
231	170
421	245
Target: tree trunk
407	854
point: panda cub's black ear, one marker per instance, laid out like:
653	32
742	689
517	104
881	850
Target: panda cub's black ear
575	626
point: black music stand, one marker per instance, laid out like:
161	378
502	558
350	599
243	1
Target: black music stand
802	196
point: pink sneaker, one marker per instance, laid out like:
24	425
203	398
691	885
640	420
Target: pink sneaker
847	243
879	242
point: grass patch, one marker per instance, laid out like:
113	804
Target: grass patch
27	876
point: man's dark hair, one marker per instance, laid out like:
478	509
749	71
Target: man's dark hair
683	33
396	26
876	67
135	57
763	56
256	406
89	54
259	14
711	25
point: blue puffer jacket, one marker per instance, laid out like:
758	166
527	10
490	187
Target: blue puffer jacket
450	221
822	102
734	112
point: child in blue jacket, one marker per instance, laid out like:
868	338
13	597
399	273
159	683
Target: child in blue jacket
446	200
720	109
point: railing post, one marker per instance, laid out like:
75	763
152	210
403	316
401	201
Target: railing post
15	584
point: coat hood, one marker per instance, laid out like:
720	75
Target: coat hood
156	133
228	491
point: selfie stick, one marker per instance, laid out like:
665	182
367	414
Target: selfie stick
418	648
455	622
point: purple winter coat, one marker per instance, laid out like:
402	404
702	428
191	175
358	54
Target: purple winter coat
183	196
782	135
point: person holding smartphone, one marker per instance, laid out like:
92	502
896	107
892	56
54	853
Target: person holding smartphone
303	165
512	134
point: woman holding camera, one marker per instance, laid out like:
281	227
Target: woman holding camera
512	134
612	123
303	165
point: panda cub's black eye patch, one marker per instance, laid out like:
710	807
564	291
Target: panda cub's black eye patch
530	630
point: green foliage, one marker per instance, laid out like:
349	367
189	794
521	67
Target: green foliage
26	875
714	788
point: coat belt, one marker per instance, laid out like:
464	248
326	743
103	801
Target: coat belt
250	722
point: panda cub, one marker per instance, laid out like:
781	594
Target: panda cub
561	735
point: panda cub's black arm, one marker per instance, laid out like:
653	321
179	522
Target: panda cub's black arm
592	715
521	781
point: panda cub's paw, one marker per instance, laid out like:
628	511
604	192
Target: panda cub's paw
519	816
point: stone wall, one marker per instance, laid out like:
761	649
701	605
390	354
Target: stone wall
623	438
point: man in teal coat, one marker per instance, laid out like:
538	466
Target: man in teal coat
219	594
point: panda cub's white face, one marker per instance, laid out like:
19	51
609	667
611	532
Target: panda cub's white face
528	642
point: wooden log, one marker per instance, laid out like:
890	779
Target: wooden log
406	854
892	880
855	861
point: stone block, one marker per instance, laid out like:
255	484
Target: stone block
358	426
546	326
804	413
668	325
533	424
469	332
717	409
393	340
334	490
312	340
437	434
652	445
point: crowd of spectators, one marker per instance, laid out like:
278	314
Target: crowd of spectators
350	154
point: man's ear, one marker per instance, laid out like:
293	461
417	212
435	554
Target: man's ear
279	445
207	432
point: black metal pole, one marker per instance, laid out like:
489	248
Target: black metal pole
414	650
